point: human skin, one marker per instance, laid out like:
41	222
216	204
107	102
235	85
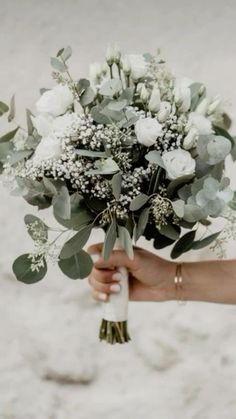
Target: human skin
151	278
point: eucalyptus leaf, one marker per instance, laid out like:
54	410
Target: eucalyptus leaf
176	184
61	203
38	224
110	87
128	95
9	136
116	185
87	96
213	149
170	231
154	157
160	242
82	85
18	156
142	223
3	108
78	266
77	242
104	167
183	245
126	241
178	207
12	110
117	105
192	213
200	244
5	151
110	238
57	64
66	53
23	272
138	202
90	153
96	113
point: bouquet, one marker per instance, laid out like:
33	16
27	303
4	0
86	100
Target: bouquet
132	150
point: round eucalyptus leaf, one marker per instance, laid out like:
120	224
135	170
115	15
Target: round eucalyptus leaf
77	266
23	272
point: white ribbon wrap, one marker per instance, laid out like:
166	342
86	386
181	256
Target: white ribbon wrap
116	308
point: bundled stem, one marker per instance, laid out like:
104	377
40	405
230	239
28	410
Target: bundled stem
114	332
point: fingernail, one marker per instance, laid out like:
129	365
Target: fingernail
102	296
115	288
95	257
117	276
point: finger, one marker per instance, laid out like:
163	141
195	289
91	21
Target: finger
106	275
99	296
105	288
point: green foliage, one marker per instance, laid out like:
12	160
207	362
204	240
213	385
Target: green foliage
78	266
30	125
142	223
39	225
183	245
110	238
176	184
77	242
116	185
87	97
213	149
57	64
23	272
65	53
154	157
110	88
138	202
9	136
192	213
12	110
3	108
104	167
178	207
126	241
199	244
61	203
170	231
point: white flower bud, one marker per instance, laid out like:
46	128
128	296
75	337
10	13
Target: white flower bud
110	55
116	54
190	139
144	95
203	106
126	65
214	105
164	112
202	90
155	100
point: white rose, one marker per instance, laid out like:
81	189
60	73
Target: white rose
147	130
55	101
138	66
200	123
178	163
48	148
182	94
43	124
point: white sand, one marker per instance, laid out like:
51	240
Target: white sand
182	360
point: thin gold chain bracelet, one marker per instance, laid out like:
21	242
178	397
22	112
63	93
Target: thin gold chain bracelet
179	291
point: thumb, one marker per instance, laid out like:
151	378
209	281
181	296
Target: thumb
117	258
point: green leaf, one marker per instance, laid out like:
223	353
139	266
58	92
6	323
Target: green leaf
96	113
39	224
184	244
176	184
110	87
22	270
104	167
116	185
77	242
12	111
138	202
223	133
109	242
170	231
5	151
192	213
82	85
66	53
18	156
178	207
117	105
36	194
30	125
161	242
87	96
199	244
61	203
78	266
213	149
154	157
58	64
128	95
3	108
91	153
142	223
126	241
9	136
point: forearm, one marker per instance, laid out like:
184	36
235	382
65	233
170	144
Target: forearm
212	281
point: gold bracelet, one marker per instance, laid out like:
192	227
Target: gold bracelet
179	285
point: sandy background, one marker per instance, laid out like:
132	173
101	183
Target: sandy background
182	360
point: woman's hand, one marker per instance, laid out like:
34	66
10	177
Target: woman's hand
151	278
